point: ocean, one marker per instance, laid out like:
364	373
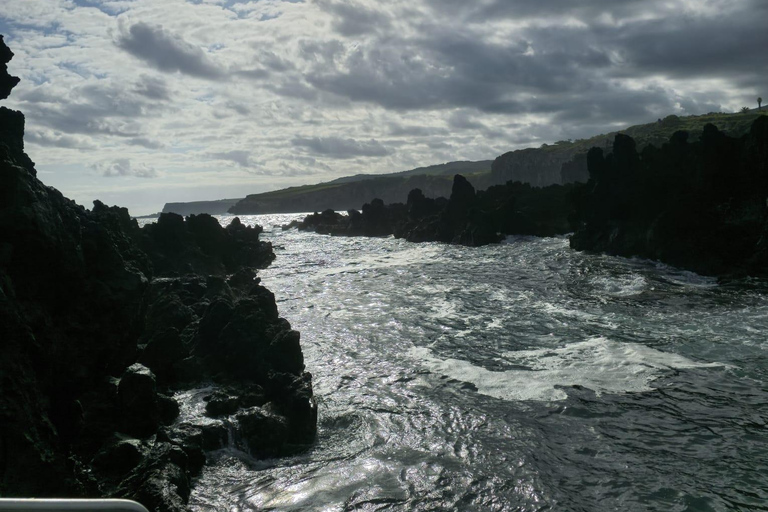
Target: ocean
520	376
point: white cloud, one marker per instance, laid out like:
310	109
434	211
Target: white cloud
253	95
122	167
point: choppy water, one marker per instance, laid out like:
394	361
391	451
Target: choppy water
521	376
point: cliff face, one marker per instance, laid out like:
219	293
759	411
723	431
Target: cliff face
565	161
342	196
7	82
537	166
93	345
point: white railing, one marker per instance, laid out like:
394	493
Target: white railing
66	505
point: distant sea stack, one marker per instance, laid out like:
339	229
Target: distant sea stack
697	204
93	346
216	207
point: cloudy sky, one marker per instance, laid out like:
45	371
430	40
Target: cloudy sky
139	102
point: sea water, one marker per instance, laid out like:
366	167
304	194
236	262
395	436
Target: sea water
518	376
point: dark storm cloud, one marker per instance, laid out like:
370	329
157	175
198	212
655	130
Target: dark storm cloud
354	20
583	9
238	156
167	52
698	48
152	87
92	109
335	147
451	70
591	70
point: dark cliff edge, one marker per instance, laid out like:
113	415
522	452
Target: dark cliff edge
699	205
101	322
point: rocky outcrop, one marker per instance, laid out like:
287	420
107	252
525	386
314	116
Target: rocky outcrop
699	205
101	322
468	217
198	244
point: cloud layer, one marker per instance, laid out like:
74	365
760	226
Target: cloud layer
223	98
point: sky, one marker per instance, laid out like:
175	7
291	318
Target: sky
142	102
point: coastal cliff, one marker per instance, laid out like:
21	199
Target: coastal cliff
350	192
103	323
701	205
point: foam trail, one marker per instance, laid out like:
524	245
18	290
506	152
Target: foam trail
599	364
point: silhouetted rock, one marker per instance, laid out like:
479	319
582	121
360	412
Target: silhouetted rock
7	82
137	398
198	244
699	205
467	218
94	343
262	433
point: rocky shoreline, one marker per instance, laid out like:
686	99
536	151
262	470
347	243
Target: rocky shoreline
102	322
467	217
700	205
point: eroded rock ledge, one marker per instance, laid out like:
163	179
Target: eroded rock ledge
102	322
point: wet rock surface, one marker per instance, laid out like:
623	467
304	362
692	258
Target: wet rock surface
101	322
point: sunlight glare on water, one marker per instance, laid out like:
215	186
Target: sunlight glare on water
520	376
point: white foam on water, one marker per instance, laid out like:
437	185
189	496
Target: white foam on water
623	286
599	364
402	258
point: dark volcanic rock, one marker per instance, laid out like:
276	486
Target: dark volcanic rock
198	244
468	217
94	340
137	398
7	82
263	434
699	205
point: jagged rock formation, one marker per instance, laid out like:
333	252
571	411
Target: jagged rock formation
468	217
699	205
93	343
